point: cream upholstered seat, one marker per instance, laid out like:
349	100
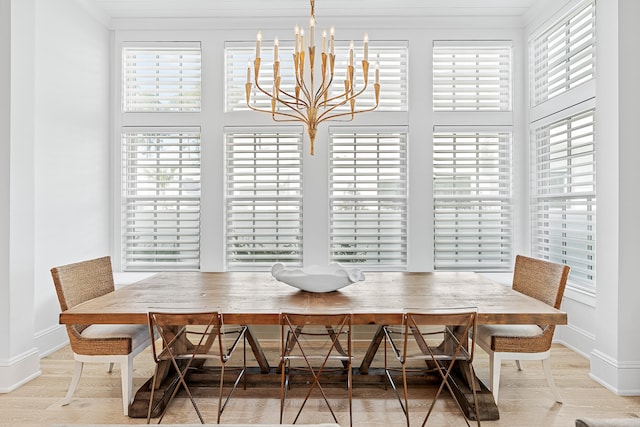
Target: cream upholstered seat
80	282
544	281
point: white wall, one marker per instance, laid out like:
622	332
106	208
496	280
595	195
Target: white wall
614	360
18	358
72	167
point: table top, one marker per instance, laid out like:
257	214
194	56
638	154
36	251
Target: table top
257	298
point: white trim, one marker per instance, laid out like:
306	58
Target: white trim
19	370
622	378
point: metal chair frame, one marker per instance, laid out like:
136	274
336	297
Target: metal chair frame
293	348
454	326
189	336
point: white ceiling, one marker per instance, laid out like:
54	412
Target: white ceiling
124	9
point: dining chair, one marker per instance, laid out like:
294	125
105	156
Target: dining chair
542	280
79	282
433	341
315	344
188	340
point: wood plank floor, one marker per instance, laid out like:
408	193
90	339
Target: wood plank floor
525	399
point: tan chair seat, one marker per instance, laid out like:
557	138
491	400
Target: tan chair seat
487	332
137	333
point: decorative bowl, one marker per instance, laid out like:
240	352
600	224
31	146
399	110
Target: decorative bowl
316	278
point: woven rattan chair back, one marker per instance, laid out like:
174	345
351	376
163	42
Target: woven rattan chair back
79	282
442	338
540	279
317	344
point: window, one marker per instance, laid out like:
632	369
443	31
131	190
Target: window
472	196
472	199
562	141
390	57
565	194
160	156
161	198
563	56
161	78
471	76
263	197
368	197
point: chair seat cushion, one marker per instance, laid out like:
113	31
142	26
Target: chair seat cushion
137	333
485	332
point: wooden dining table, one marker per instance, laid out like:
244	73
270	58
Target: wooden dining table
256	298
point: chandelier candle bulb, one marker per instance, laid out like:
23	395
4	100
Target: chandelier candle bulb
332	40
351	54
366	47
258	43
275	50
312	31
324	41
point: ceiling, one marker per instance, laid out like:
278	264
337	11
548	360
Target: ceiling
127	9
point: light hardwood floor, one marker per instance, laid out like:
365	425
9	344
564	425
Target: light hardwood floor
525	399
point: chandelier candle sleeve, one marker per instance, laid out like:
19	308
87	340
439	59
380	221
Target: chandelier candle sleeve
308	104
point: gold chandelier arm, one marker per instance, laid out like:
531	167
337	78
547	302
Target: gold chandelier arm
292	104
296	118
323	118
345	99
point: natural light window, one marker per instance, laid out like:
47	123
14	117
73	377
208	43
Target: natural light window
562	57
263	197
564	190
471	76
161	78
160	198
473	216
368	197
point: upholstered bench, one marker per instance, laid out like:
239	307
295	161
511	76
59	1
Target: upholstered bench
608	422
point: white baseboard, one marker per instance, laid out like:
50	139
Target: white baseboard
622	378
51	340
19	370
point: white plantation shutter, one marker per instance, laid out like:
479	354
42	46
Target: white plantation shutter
563	56
564	219
473	216
161	77
237	56
161	198
393	66
368	197
391	57
471	76
263	197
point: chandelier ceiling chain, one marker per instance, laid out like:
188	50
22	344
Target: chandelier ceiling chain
307	104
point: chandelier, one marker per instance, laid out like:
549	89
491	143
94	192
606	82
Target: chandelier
308	104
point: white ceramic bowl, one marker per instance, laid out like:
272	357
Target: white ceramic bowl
317	279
